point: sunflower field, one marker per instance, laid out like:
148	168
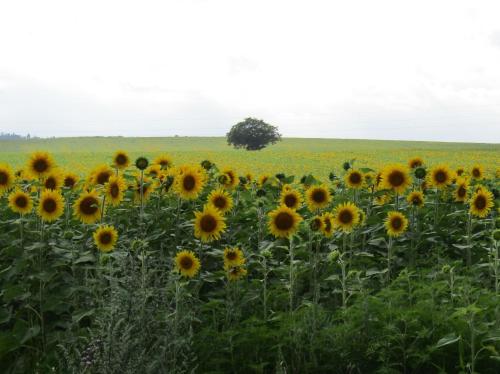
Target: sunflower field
155	265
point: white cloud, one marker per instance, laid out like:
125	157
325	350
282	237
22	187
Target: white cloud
360	69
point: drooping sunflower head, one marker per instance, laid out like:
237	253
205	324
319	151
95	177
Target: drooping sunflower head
190	181
115	189
233	257
40	164
291	198
354	179
6	178
477	172
346	216
221	200
395	177
209	224
317	197
87	208
51	205
70	180
415	162
165	161
440	176
481	203
105	238
121	160
415	198
20	202
461	190
236	273
328	220
283	222
395	223
229	178
101	174
54	180
187	264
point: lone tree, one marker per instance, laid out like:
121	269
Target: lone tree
252	134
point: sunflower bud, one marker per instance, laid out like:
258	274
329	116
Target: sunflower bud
346	166
206	164
446	268
223	179
68	235
331	176
333	255
243	180
266	253
420	173
280	176
141	163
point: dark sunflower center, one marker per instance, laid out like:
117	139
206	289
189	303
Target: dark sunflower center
416	200
21	201
460	172
105	238
283	221
319	196
231	177
396	179
396	223
69	182
461	191
40	165
114	190
220	202
355	178
416	163
121	159
476	173
290	200
345	216
480	202
89	205
50	183
49	205
189	182
440	176
186	262
231	256
208	223
103	177
328	225
4	178
164	163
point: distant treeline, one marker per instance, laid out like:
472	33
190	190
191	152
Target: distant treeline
13	136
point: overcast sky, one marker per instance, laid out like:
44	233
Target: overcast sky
342	69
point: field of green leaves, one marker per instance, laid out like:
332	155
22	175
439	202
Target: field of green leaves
181	255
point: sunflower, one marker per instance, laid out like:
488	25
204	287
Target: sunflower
236	273
395	177
415	198
395	223
20	202
249	177
415	162
114	190
51	205
147	188
291	198
317	223
284	222
101	174
6	178
190	182
121	160
70	180
164	161
328	220
54	180
346	216
187	263
481	202
381	199
229	178
265	179
362	217
221	200
40	164
105	238
354	179
477	172
370	178
233	257
459	172
87	208
208	224
440	176
317	197
154	171
461	190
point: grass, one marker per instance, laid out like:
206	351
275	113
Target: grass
292	155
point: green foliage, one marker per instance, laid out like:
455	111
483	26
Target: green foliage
252	134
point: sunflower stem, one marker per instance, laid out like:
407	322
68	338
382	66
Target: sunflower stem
469	241
102	207
21	230
291	274
389	255
142	195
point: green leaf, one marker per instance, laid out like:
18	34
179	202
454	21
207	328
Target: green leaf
447	340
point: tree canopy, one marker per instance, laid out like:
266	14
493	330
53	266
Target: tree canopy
253	134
